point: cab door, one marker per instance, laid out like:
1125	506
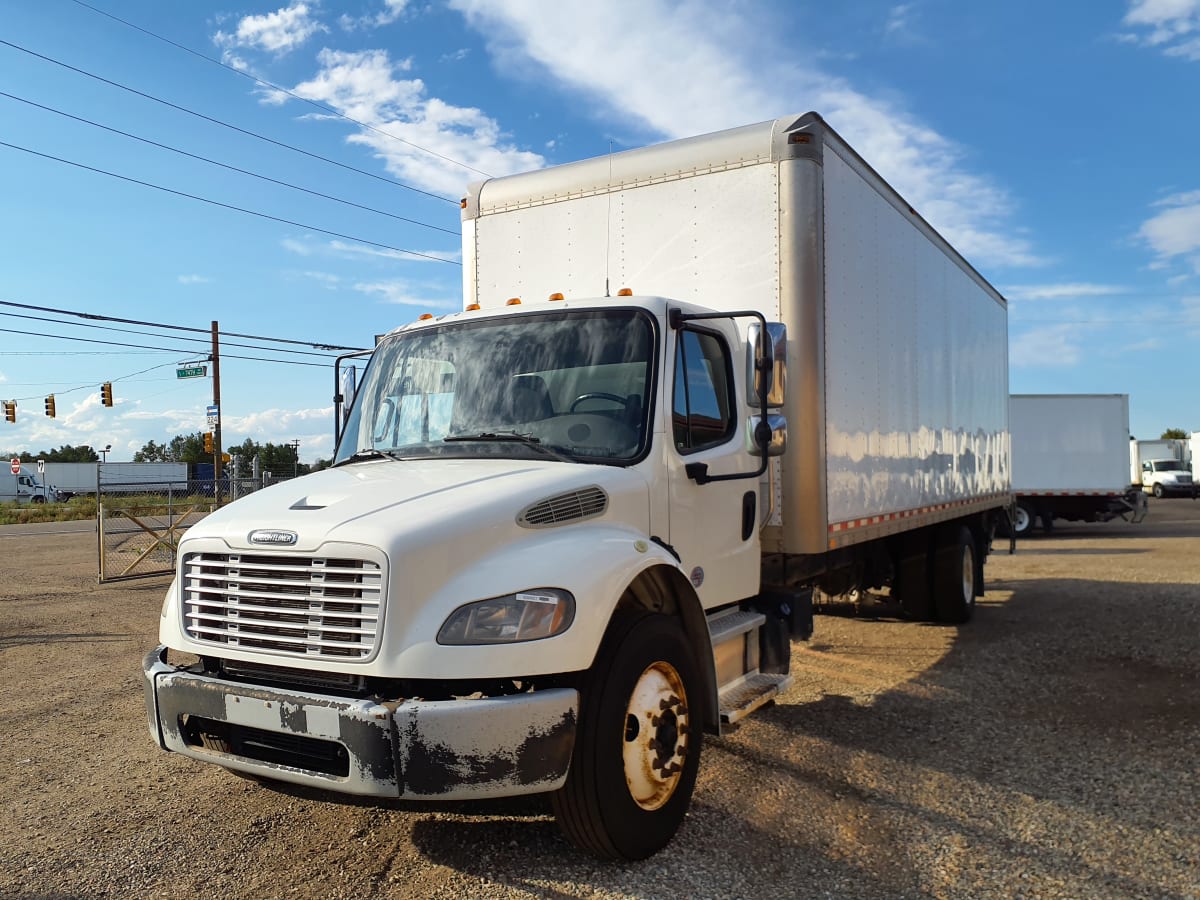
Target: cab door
714	526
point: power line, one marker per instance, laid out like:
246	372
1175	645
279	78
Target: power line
192	328
282	90
199	115
185	351
249	212
231	168
203	341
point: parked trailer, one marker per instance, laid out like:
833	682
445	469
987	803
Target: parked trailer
561	539
1070	457
81	477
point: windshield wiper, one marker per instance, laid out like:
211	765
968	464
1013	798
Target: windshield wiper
366	453
512	437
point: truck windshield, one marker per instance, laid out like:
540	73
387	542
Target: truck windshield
1169	465
571	386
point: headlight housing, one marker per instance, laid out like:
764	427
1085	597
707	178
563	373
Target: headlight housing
525	616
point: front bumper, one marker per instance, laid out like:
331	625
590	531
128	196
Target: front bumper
434	750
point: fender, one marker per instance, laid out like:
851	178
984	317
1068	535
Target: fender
596	561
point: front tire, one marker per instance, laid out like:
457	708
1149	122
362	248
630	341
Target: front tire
637	748
1158	491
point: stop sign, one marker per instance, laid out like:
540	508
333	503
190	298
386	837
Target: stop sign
16	466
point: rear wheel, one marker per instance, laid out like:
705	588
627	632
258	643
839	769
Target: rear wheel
954	577
1023	520
637	748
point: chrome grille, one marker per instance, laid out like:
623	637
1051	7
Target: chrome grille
314	607
582	504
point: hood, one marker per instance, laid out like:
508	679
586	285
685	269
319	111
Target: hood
385	503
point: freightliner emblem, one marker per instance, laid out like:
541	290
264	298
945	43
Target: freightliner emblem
273	536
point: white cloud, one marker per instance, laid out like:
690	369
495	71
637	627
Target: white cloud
684	67
402	293
1170	25
1174	233
1061	291
422	140
194	279
310	246
277	32
392	10
1055	346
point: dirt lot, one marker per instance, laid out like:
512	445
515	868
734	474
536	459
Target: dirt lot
1049	748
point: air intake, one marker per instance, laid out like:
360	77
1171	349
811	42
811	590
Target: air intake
586	503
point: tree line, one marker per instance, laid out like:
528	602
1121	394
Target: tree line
278	459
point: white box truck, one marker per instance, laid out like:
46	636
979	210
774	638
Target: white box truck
566	534
1070	459
1162	467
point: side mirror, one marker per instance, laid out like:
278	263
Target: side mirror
775	440
766	359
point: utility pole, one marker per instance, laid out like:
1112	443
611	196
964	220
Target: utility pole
216	364
295	445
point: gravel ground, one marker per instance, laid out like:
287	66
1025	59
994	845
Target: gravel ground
1048	749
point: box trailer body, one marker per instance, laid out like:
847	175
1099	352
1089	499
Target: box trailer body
566	536
81	477
1070	458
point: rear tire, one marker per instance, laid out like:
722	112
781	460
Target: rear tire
1023	519
954	577
637	748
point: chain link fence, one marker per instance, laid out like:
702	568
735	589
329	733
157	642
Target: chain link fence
139	525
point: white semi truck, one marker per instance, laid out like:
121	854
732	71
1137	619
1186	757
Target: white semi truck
26	487
1070	459
568	530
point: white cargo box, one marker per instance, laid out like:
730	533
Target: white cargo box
898	349
1069	443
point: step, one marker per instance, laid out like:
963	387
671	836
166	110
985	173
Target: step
729	625
747	694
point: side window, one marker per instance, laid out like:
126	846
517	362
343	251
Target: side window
702	410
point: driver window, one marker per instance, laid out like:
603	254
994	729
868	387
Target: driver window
702	411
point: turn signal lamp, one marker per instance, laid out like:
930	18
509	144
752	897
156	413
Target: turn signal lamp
515	301
423	316
556	296
625	292
471	307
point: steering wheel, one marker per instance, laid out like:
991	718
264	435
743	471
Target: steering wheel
598	395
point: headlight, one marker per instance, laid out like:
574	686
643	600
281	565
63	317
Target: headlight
526	616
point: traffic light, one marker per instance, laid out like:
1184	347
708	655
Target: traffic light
106	393
10	410
208	447
50	406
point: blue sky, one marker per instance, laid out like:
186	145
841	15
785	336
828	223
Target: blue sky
1055	144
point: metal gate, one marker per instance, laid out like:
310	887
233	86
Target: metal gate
139	530
139	525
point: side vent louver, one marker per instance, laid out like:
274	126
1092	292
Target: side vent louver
586	503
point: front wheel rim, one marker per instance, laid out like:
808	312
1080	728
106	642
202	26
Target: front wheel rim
655	742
